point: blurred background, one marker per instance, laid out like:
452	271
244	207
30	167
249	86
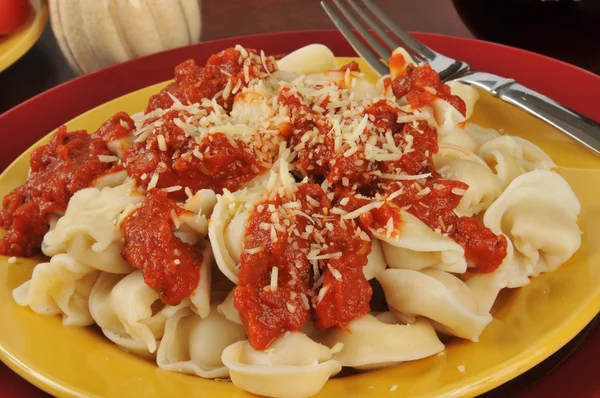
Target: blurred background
564	29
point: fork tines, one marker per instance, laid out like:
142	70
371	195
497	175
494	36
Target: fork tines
381	44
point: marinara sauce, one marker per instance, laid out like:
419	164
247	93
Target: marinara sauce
178	160
270	309
194	83
434	203
169	265
68	163
341	292
422	85
119	126
345	293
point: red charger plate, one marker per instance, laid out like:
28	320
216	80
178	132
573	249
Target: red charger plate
572	86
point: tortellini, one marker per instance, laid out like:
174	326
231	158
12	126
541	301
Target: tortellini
399	68
123	308
484	186
194	345
293	367
467	93
373	342
194	226
512	156
110	180
375	260
538	214
136	325
451	127
309	59
227	309
437	295
509	274
227	229
89	231
416	246
61	286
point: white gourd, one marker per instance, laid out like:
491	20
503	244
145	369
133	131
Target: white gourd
95	34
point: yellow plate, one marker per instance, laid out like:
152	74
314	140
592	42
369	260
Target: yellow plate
15	45
530	323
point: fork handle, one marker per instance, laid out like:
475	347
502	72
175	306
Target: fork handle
574	124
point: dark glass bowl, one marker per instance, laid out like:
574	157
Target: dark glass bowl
564	29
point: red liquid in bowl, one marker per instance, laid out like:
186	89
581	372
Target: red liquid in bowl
565	29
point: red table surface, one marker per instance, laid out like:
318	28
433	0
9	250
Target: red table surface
576	377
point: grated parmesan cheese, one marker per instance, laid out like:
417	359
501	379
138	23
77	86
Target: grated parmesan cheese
327	256
173	188
336	274
153	181
107	158
403	177
255	250
364	209
162	143
322	294
274	277
305	302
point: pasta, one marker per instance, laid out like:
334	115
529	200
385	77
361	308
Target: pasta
227	309
60	286
314	58
271	222
538	212
449	121
194	345
542	226
133	326
375	260
513	156
437	295
87	231
484	186
294	366
418	247
379	341
227	228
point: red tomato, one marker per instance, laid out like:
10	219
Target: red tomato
13	14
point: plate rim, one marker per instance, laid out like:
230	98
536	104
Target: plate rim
495	379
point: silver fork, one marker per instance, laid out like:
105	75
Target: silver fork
577	126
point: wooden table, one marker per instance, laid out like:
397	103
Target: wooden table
44	67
